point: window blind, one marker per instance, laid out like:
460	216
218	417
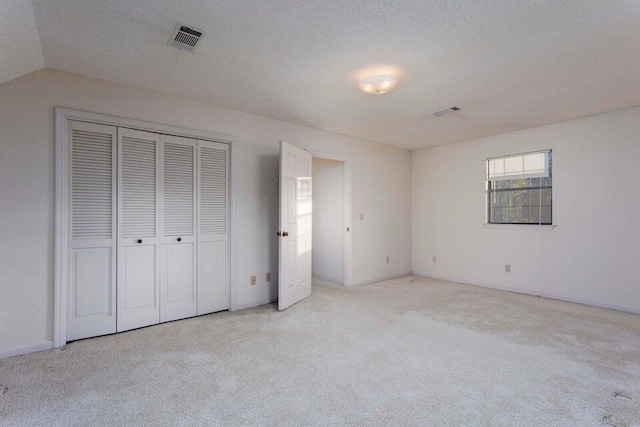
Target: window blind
528	165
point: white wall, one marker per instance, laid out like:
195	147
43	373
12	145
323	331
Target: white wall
328	219
593	254
381	188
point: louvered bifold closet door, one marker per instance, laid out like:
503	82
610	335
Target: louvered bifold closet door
178	248
138	229
91	299
213	226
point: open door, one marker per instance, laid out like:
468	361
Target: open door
294	248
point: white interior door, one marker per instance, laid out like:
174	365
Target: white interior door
91	303
178	297
213	226
138	229
294	267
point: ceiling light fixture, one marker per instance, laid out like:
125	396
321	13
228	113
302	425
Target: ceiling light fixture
378	83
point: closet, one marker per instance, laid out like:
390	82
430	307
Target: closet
148	228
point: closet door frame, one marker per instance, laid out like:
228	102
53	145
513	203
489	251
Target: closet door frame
63	203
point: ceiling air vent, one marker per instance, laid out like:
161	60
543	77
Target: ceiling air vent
185	37
446	111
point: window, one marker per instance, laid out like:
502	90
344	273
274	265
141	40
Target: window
519	189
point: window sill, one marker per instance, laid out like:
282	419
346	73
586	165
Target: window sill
520	226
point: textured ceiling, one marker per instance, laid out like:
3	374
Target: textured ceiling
20	51
507	64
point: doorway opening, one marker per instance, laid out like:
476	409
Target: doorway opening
331	250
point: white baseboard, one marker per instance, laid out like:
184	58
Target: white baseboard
245	305
550	295
252	304
382	278
585	301
5	354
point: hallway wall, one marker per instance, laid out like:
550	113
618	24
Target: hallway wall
328	219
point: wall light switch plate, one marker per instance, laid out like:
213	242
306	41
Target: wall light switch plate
507	268
361	217
253	280
434	258
267	277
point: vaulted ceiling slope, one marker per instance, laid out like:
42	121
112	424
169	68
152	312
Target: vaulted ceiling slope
507	64
20	51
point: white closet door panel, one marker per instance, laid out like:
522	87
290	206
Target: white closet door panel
91	280
138	296
91	300
138	183
179	273
178	297
213	188
212	277
179	186
92	178
178	285
139	264
91	309
213	205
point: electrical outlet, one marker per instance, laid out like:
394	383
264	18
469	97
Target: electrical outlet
253	280
507	268
434	258
387	260
267	277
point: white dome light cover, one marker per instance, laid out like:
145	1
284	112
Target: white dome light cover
378	83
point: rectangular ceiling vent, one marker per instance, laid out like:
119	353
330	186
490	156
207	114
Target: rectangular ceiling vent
185	37
446	111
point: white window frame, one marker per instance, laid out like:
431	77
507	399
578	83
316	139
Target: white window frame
515	226
62	177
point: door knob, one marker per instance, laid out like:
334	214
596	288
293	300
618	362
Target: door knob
279	233
139	240
179	239
285	234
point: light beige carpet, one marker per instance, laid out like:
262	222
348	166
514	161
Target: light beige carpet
411	351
